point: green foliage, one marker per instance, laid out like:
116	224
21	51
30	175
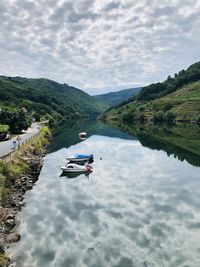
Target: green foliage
181	105
43	96
141	117
141	108
157	90
127	117
4	128
169	116
198	119
158	116
17	119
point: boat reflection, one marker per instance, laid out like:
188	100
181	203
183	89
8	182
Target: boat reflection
73	175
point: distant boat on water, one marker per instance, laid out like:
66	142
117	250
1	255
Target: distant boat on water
82	135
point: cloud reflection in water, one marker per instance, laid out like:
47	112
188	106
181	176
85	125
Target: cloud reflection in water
138	208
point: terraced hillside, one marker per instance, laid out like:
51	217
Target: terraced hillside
176	99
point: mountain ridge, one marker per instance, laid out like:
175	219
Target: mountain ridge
114	98
43	96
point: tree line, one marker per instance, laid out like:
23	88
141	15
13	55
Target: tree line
171	84
16	119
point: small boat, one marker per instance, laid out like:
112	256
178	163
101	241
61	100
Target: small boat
82	134
75	168
80	157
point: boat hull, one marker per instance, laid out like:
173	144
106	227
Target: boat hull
74	170
78	159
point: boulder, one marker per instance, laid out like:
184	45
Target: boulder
13	237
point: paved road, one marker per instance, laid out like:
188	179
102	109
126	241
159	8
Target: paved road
7	146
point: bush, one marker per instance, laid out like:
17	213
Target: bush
141	108
141	117
127	117
158	116
169	116
198	119
166	106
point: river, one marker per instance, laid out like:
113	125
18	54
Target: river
139	208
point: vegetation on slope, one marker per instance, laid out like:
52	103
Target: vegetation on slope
114	98
15	120
42	97
176	99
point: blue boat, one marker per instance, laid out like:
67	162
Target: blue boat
80	157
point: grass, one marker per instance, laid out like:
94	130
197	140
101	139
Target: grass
18	165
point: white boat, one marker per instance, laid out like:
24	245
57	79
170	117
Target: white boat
72	167
80	157
82	134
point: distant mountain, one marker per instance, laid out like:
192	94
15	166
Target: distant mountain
43	96
175	99
114	98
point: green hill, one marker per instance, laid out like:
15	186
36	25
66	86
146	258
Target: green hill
114	98
43	96
176	99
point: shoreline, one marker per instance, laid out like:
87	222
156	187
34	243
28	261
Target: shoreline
17	187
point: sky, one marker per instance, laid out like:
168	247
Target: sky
99	45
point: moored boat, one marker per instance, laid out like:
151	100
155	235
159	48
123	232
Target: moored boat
82	134
75	168
80	157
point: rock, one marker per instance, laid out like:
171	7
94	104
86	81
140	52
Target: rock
29	186
10	222
1	249
14	237
9	216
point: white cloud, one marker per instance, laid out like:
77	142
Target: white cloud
97	44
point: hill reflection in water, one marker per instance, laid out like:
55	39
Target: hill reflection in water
181	141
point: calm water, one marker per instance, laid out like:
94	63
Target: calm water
139	208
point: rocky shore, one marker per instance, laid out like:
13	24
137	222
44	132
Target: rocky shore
12	203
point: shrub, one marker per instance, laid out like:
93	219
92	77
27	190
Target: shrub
127	117
158	116
167	106
198	119
141	117
141	108
169	116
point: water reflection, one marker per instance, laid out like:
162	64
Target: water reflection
66	134
181	141
140	208
74	175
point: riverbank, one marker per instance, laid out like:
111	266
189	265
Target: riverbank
16	177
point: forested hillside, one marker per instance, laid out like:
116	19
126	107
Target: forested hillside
45	97
175	99
114	98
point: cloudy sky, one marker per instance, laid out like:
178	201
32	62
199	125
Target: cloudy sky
99	45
